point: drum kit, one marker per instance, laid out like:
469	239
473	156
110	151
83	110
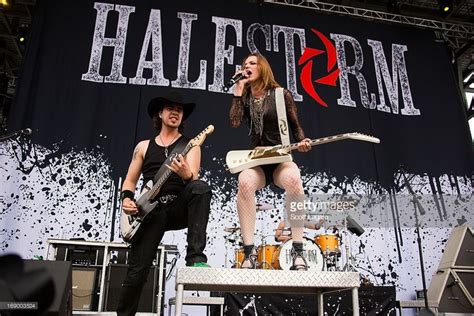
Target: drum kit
322	253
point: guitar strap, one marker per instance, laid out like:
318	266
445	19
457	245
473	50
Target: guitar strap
282	120
178	149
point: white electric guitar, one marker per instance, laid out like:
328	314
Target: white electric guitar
238	160
146	202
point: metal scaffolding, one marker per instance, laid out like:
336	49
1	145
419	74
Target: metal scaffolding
457	35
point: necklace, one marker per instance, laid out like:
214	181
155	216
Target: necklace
257	101
166	146
256	113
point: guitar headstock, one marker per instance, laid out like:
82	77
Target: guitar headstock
363	137
201	137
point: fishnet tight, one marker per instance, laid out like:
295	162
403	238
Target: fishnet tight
287	176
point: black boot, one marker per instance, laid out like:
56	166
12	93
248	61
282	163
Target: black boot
250	257
297	253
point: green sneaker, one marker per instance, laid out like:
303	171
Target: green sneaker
200	265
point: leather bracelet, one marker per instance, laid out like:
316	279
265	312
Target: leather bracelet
127	194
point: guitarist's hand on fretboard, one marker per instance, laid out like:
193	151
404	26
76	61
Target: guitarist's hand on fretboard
180	166
129	207
304	145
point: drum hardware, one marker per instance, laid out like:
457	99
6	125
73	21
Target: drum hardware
286	229
231	239
278	257
266	257
231	229
265	253
350	264
263	206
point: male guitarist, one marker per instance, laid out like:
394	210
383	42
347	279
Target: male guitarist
184	201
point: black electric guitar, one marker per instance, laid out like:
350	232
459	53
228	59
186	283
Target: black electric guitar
146	202
238	160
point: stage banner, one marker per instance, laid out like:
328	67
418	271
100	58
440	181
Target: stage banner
373	300
91	67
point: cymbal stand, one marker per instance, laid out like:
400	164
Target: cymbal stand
226	245
349	266
326	255
264	255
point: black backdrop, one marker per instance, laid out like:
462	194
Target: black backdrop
62	108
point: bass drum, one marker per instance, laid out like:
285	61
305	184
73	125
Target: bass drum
311	252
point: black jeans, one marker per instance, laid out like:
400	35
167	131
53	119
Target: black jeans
190	210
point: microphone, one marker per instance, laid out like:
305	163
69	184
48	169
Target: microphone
26	131
233	80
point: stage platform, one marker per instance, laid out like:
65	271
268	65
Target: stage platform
266	281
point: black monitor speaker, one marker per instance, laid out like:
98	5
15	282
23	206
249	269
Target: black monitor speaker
115	277
61	274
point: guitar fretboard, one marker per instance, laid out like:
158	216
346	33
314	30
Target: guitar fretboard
166	174
314	142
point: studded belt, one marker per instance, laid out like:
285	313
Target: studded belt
167	198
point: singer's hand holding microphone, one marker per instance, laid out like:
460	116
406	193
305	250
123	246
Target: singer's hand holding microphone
237	77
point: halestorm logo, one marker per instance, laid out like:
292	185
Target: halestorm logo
306	75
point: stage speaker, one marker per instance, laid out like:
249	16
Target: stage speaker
116	276
62	276
459	250
84	290
453	289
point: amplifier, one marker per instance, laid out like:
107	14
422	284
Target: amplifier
84	288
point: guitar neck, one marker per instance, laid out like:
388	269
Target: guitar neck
330	139
166	174
314	142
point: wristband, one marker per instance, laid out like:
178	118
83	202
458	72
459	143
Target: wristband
127	194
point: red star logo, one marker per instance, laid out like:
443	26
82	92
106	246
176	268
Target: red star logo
306	76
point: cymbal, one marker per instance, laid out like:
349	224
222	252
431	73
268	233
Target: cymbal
286	229
231	229
264	206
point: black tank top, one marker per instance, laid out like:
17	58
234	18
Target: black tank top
154	159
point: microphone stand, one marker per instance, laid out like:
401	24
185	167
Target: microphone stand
417	206
26	131
8	136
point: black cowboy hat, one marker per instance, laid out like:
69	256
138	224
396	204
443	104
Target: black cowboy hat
173	97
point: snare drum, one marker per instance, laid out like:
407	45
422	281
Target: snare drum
239	257
311	252
329	243
266	257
